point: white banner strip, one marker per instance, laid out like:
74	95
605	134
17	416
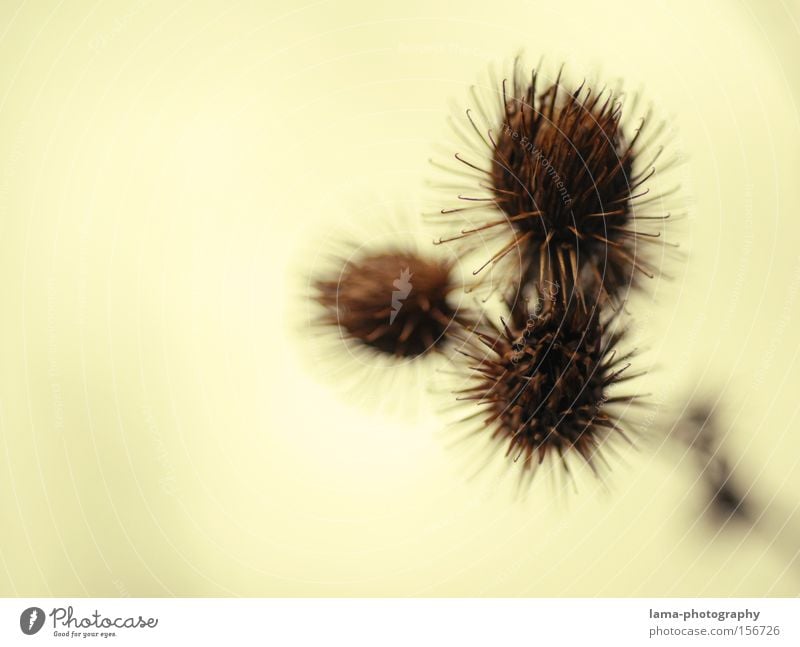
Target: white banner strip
401	622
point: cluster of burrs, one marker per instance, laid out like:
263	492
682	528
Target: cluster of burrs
554	183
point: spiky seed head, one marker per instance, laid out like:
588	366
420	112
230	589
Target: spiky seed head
393	301
566	180
545	386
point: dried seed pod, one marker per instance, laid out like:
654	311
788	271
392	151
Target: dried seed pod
394	301
544	388
731	499
567	189
701	431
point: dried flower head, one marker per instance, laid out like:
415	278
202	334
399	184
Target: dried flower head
565	184
395	302
544	388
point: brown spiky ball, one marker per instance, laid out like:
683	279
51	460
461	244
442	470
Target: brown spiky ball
395	302
544	387
565	183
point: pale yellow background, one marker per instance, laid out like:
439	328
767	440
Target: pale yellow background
165	167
